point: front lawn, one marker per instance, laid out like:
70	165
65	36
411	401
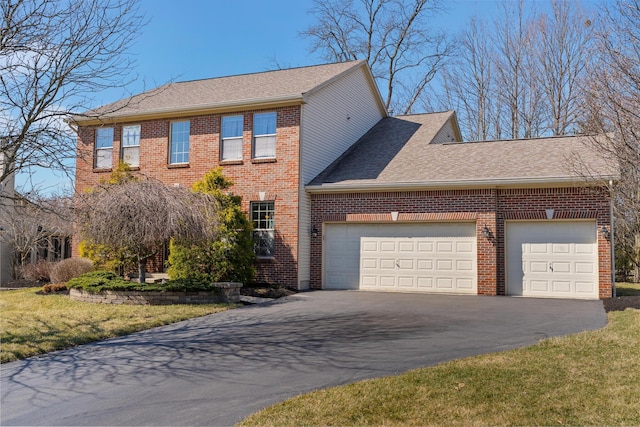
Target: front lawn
591	378
32	324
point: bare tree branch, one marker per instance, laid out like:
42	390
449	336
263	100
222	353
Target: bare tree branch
54	56
395	37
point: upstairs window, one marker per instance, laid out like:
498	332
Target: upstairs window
232	127
264	135
131	145
104	148
179	144
263	228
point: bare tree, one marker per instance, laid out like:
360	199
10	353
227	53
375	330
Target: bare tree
467	85
395	37
32	224
613	109
139	216
54	56
561	54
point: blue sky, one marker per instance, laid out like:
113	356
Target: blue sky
196	39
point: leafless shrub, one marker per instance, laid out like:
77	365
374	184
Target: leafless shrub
37	272
140	216
67	269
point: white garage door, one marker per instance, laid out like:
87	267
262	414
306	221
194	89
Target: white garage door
552	259
401	257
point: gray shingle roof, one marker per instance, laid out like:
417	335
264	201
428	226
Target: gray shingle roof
397	151
231	90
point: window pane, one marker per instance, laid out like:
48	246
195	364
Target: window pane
265	146
103	158
131	155
264	124
104	137
232	149
232	126
262	216
130	136
179	142
263	243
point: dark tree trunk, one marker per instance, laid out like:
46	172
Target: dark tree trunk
142	270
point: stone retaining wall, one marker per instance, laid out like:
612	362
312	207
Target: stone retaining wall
225	292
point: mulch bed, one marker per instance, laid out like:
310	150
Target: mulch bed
266	291
621	303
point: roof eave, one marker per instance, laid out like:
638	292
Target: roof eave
192	110
543	182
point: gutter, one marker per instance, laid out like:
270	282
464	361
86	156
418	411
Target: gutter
451	184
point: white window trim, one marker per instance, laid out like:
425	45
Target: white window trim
267	230
230	139
171	142
123	147
255	135
103	149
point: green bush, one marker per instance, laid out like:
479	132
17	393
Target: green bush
230	257
102	280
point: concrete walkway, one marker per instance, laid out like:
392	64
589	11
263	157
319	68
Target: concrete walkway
218	369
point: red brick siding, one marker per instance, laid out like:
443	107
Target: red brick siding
488	207
277	179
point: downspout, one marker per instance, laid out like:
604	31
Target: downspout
612	241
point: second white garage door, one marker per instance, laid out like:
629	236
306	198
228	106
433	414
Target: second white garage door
401	257
552	259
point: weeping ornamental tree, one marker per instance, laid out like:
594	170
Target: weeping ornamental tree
137	217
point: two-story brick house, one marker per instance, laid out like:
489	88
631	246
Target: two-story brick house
344	197
271	132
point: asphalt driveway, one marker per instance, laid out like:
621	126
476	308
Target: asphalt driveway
217	369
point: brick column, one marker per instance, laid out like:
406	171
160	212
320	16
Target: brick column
487	254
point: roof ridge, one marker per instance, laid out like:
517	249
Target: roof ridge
263	72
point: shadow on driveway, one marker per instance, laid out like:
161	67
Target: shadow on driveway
217	369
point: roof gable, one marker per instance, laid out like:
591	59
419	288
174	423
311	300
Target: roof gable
270	88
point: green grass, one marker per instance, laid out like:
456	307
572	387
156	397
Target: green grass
32	324
591	378
627	289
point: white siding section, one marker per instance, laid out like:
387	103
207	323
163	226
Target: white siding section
6	211
332	119
446	134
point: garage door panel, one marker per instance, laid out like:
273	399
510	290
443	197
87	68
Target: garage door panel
562	267
405	264
445	246
464	247
425	264
406	246
406	257
561	286
552	259
387	264
537	267
464	265
560	248
369	247
444	283
465	284
584	287
584	268
425	246
387	281
425	282
444	265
